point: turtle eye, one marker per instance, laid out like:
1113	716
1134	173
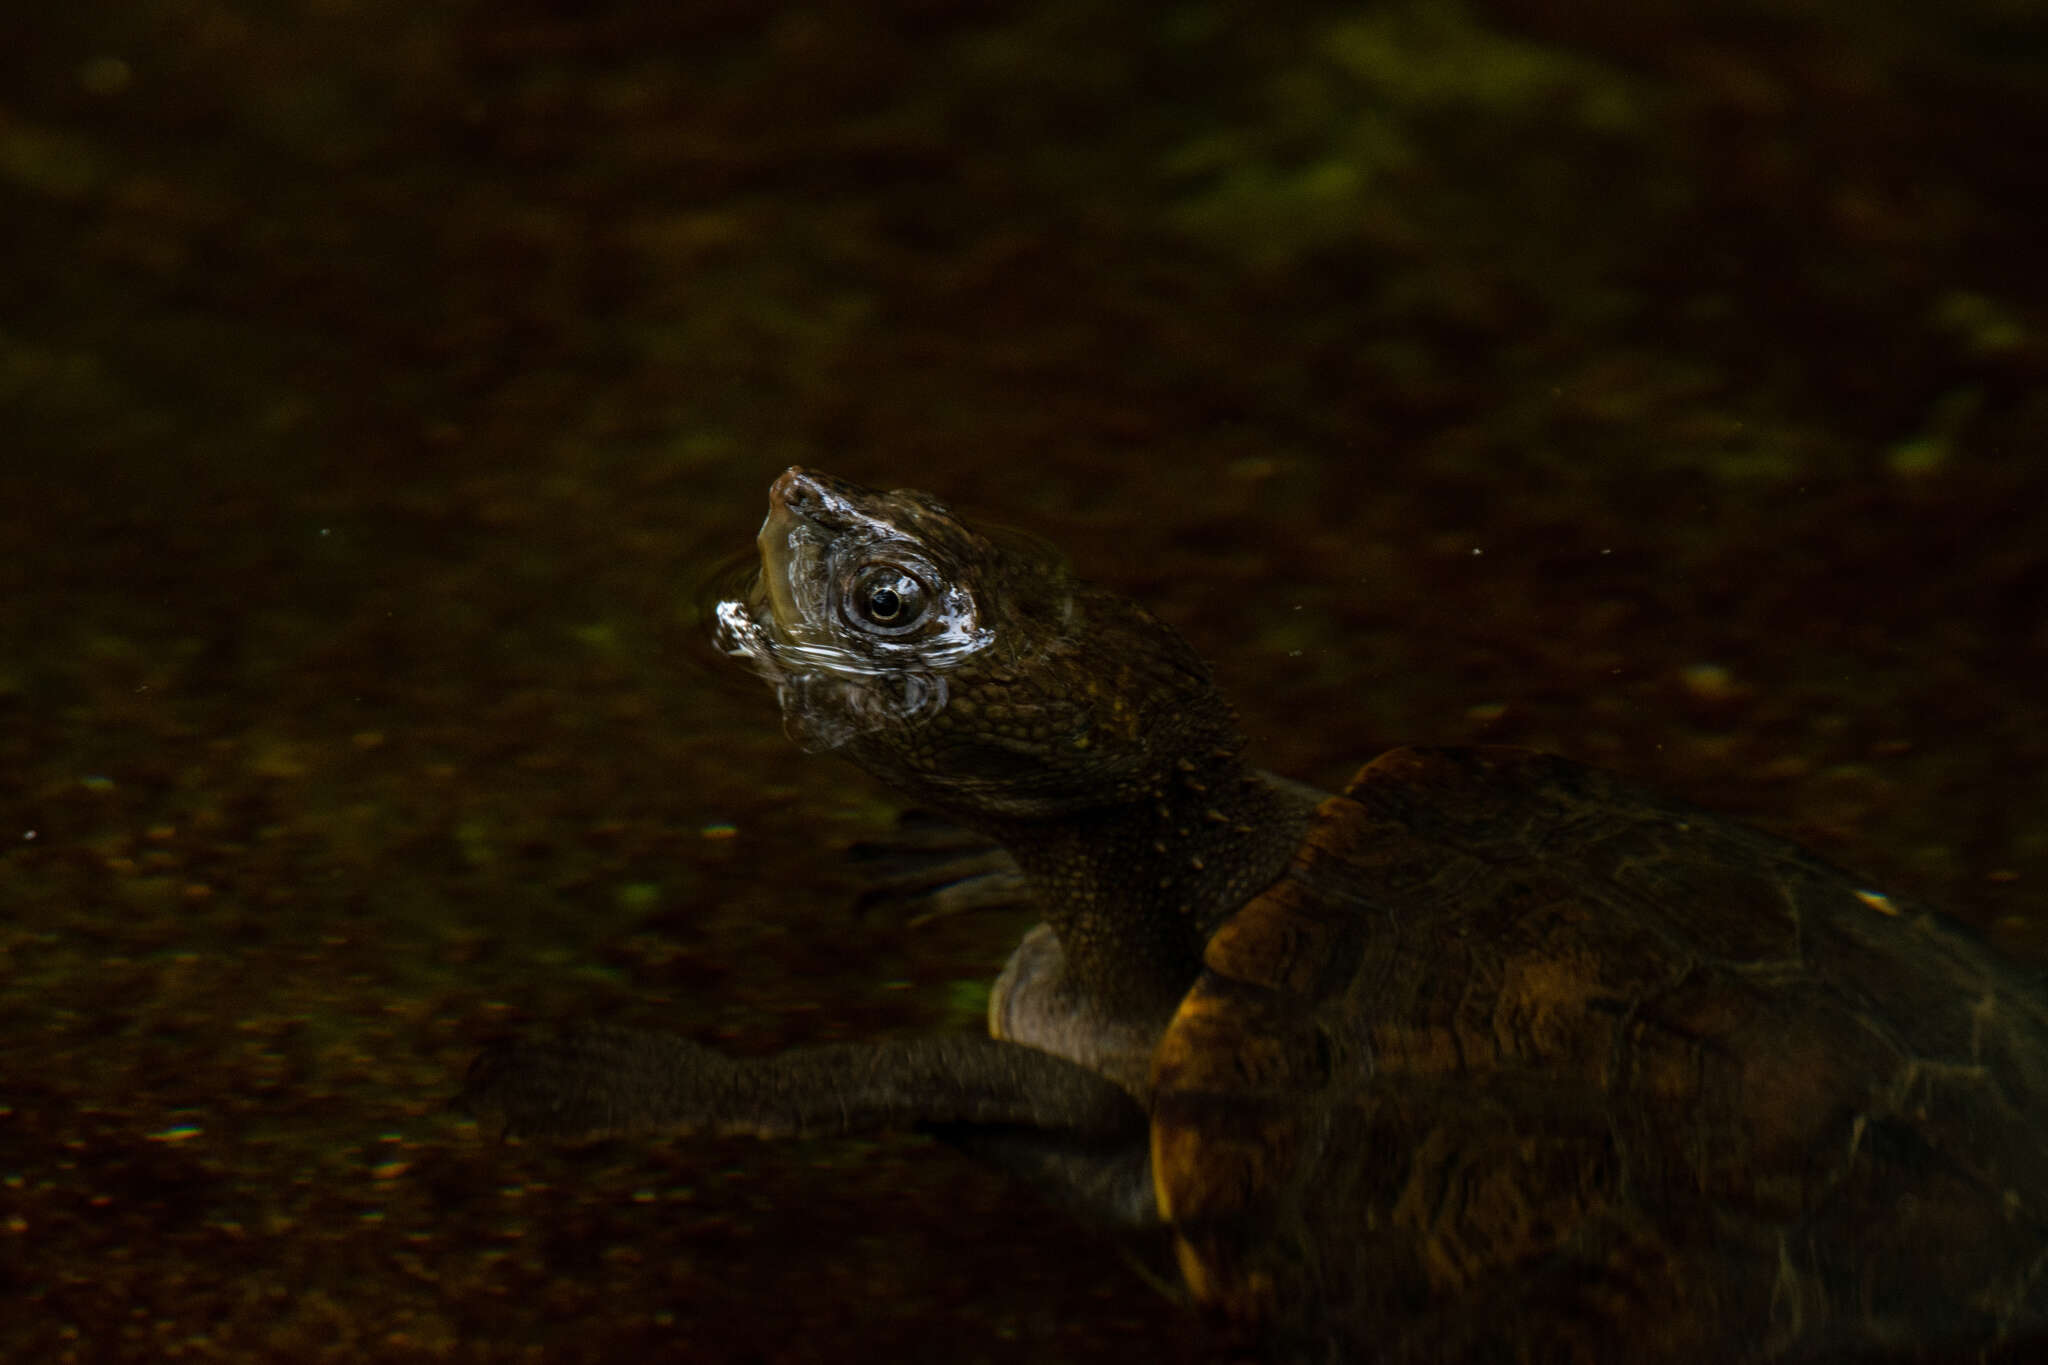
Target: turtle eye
887	599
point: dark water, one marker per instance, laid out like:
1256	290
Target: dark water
377	381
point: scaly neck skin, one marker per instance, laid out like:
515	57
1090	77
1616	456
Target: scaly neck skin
1133	891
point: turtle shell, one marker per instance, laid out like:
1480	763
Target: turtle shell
1519	1062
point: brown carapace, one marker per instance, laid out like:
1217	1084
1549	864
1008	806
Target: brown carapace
1518	1062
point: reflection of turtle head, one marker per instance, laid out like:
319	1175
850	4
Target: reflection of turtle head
969	672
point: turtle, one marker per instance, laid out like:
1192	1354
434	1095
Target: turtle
1489	1056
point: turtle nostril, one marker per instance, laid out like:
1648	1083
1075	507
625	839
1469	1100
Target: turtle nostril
797	490
788	488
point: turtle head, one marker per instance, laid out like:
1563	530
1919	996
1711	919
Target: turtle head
969	671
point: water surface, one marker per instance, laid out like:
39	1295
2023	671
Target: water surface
378	383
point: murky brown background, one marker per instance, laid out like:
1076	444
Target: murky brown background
1663	386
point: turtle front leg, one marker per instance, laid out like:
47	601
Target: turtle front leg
1073	1134
596	1081
1060	1126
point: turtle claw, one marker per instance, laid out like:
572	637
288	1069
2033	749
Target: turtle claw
933	870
